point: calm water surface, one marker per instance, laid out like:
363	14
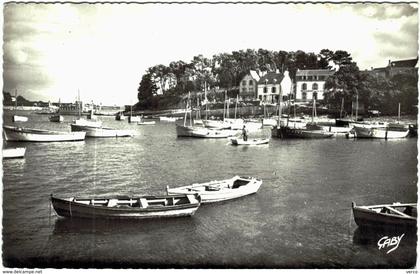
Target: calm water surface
300	218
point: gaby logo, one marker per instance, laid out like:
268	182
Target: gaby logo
393	242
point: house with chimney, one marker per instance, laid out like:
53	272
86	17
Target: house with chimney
310	84
271	84
248	85
407	66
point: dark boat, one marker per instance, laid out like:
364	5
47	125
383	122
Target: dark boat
388	215
308	132
142	207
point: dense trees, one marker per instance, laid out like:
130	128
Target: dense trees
165	86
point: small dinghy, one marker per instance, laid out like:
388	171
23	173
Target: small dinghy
17	118
142	207
216	191
10	153
249	142
394	215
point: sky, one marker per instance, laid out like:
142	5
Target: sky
53	51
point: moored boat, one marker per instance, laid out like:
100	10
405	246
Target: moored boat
134	119
56	118
40	135
142	207
202	132
250	141
17	152
88	123
216	191
386	215
146	123
18	118
120	116
381	132
102	132
300	133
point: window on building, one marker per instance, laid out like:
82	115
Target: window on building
273	90
251	82
315	77
265	97
315	95
244	82
244	90
304	86
265	89
304	95
314	86
277	98
309	77
251	89
260	97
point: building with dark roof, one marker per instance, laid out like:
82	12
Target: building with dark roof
270	85
407	66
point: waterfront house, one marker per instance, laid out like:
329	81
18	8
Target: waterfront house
248	86
407	66
270	84
310	84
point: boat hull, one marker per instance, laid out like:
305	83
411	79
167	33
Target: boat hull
202	132
101	132
17	118
365	217
36	135
380	133
10	153
238	142
224	194
134	119
299	133
70	209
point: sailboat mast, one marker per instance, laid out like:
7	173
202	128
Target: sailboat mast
313	111
236	104
280	99
15	99
341	109
205	98
357	105
399	112
78	103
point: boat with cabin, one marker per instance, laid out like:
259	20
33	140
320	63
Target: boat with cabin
386	215
40	135
118	207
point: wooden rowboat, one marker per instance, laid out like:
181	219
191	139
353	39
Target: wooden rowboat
18	152
40	135
394	215
142	207
216	191
249	142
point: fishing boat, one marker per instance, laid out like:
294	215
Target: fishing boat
216	191
101	132
18	118
56	118
120	116
387	215
17	152
250	141
39	135
142	207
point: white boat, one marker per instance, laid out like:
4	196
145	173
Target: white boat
168	119
17	118
87	123
381	132
234	123
56	118
217	124
102	132
216	191
250	141
17	152
146	123
40	135
269	122
338	131
134	119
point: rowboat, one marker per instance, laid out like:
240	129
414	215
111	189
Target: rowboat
17	152
142	207
17	118
202	132
102	132
40	135
56	118
146	123
237	141
168	119
216	191
381	132
394	215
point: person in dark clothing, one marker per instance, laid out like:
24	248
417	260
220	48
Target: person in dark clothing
244	134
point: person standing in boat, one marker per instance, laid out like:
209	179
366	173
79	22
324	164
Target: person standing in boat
244	134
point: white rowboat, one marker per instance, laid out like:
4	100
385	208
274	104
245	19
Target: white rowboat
40	135
18	152
249	142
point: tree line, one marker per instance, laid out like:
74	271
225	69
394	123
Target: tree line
226	70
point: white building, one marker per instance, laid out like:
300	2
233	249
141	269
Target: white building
269	87
310	84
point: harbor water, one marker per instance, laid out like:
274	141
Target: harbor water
300	218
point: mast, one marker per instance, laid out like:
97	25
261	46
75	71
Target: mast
78	103
205	98
357	104
342	106
186	110
313	111
236	104
15	99
280	99
224	106
399	112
